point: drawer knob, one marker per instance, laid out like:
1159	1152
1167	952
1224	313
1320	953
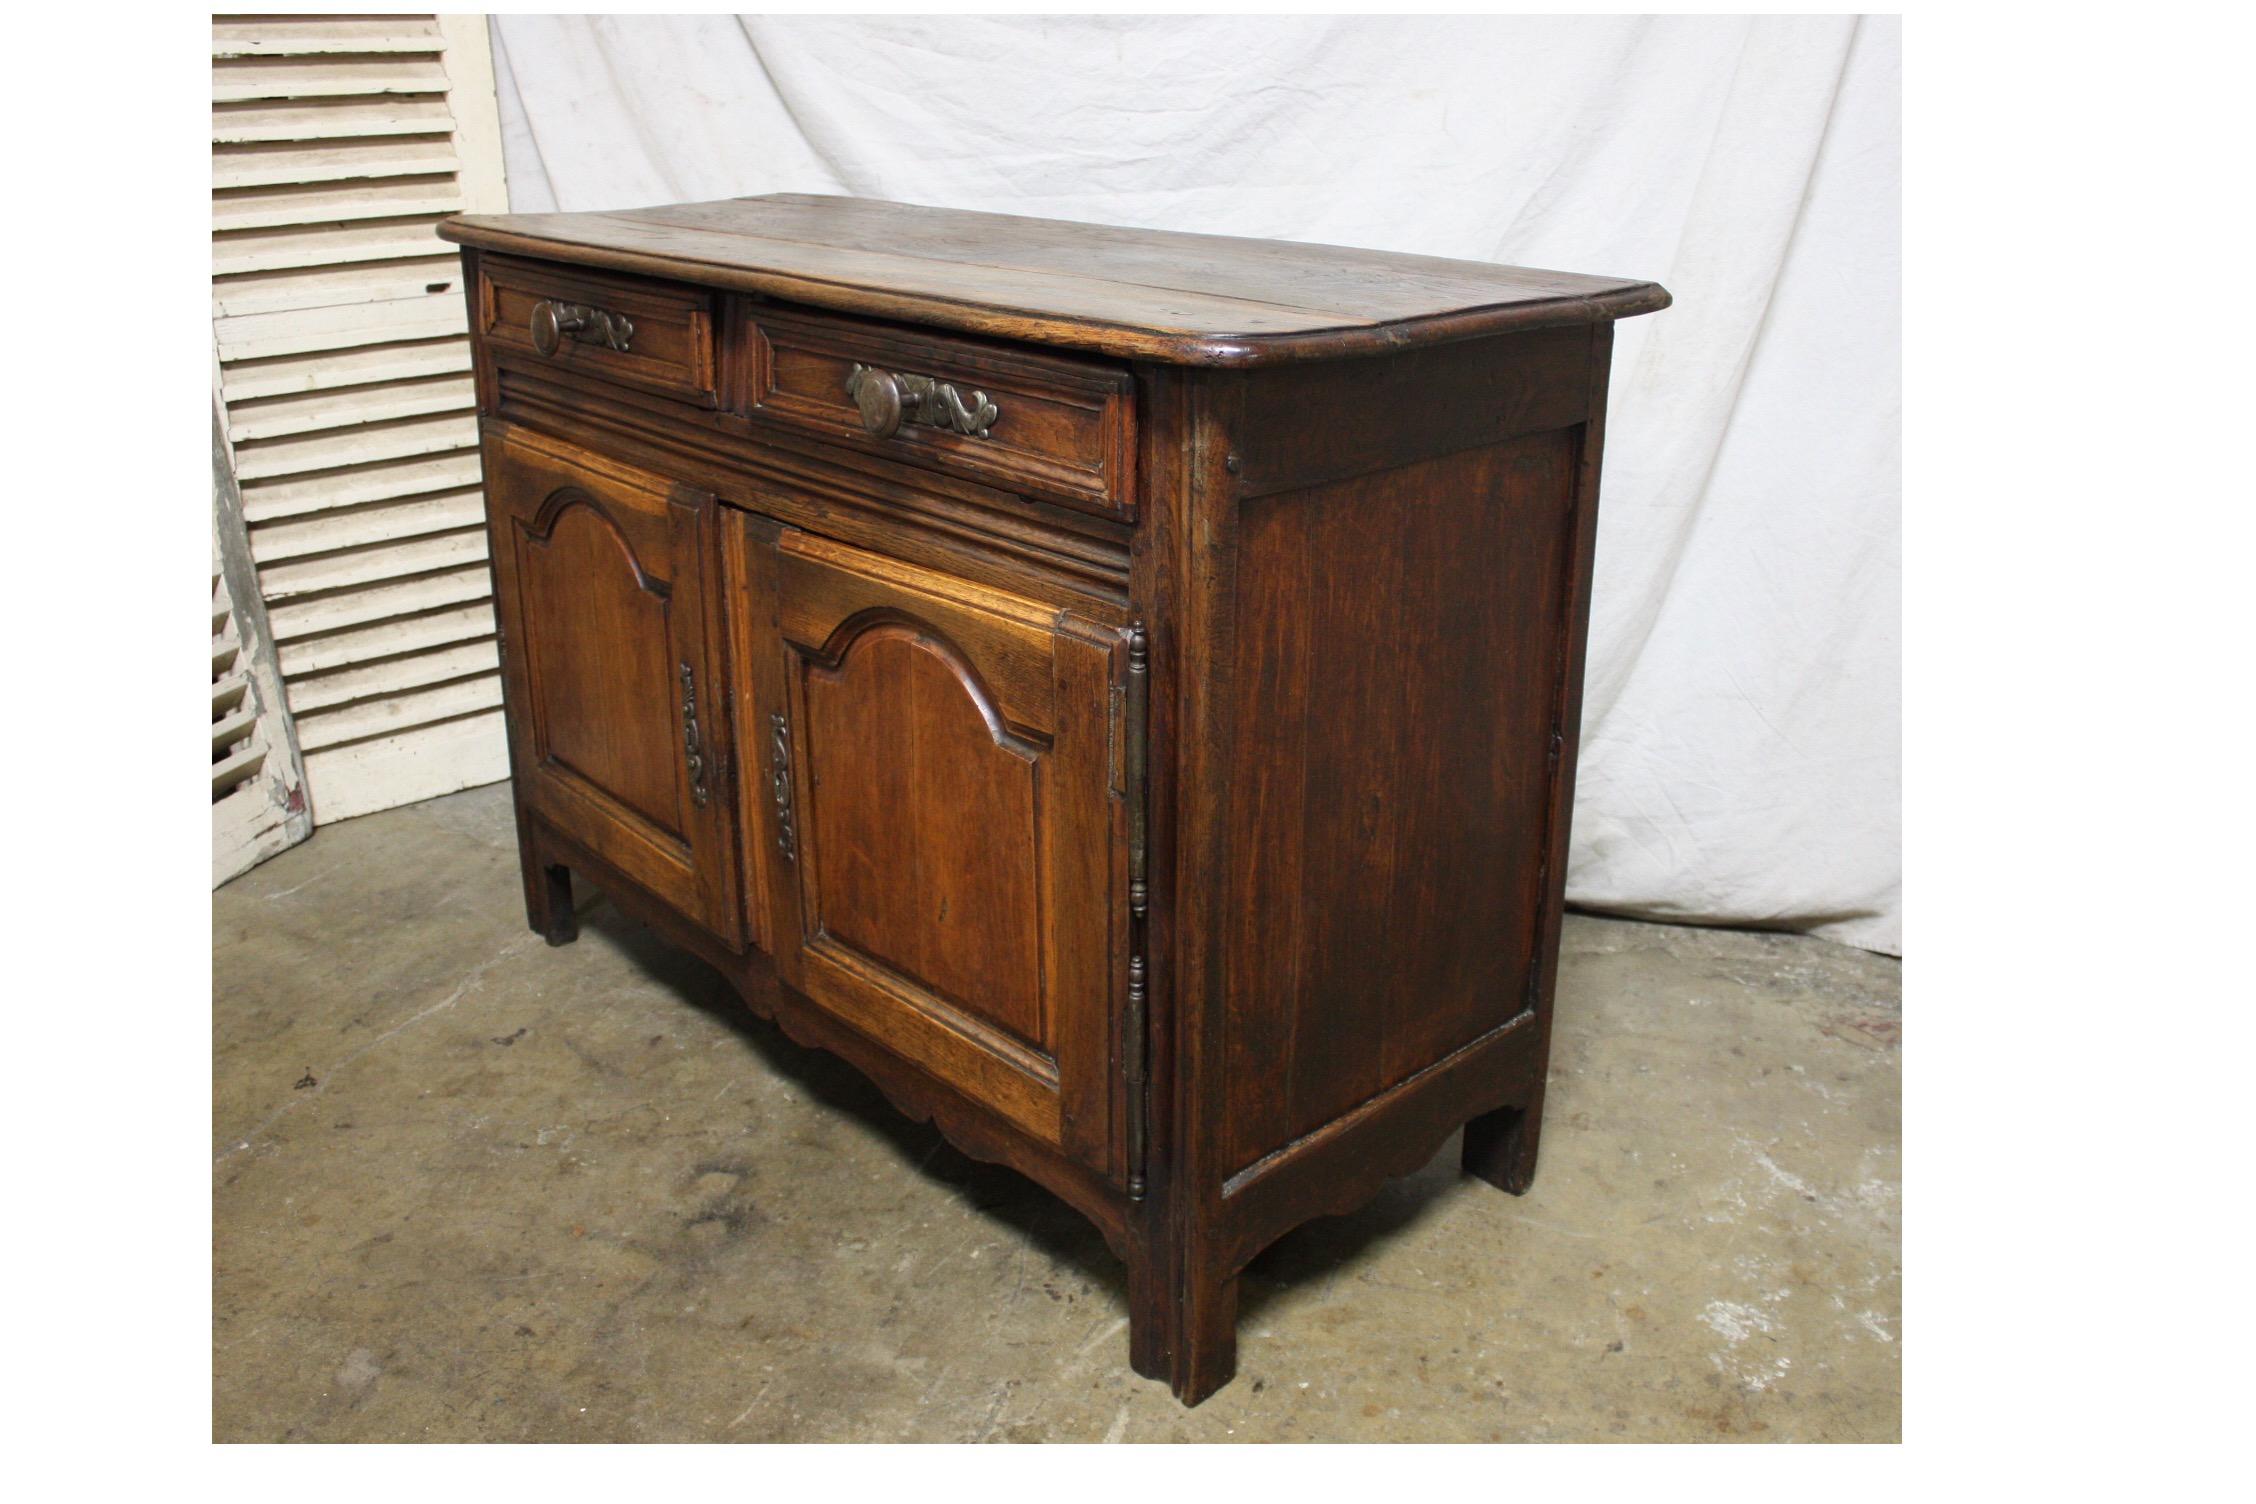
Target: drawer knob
878	395
555	322
887	400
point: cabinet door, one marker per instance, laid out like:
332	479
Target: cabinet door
947	850
616	722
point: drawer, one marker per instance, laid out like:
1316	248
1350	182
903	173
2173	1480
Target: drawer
657	336
1051	426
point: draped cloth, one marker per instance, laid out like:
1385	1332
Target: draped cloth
1741	746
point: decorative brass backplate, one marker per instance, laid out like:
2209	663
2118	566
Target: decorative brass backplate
554	322
888	398
787	838
693	747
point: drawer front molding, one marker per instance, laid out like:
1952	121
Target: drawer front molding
576	325
1059	429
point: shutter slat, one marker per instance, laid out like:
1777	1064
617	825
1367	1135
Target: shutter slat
237	767
252	336
391	676
274	417
324	245
356	446
388	639
291	36
366	483
336	287
325	370
396	713
246	78
235	726
228	692
275	166
324	120
354	608
283	582
261	208
357	527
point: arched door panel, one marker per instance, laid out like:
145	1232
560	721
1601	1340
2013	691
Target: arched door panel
943	891
597	659
617	730
949	862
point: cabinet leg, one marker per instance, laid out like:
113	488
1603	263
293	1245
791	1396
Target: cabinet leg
1500	1146
1187	1338
548	904
1151	1314
1206	1346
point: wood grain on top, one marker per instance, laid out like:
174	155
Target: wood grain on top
1142	294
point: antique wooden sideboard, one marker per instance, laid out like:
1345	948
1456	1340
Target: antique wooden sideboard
1117	689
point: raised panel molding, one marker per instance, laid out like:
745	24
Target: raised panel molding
944	893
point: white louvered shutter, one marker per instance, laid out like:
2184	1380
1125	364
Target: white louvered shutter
338	142
258	785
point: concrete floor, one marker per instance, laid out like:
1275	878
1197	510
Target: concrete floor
470	1188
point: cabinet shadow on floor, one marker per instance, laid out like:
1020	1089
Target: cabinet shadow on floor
1321	1250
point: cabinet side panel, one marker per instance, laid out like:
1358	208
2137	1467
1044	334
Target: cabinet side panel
1399	646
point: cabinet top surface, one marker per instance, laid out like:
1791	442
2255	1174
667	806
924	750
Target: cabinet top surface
1206	300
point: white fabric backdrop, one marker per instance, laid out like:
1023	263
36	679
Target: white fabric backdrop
1741	731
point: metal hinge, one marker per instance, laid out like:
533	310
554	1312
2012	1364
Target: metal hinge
1136	1046
1116	714
1135	1024
1134	730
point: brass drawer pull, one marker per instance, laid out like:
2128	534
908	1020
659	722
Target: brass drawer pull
553	322
888	398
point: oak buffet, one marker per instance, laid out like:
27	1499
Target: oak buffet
1117	689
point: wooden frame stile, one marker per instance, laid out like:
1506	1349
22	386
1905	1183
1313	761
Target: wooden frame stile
1157	575
1203	1329
548	885
719	730
1501	1144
